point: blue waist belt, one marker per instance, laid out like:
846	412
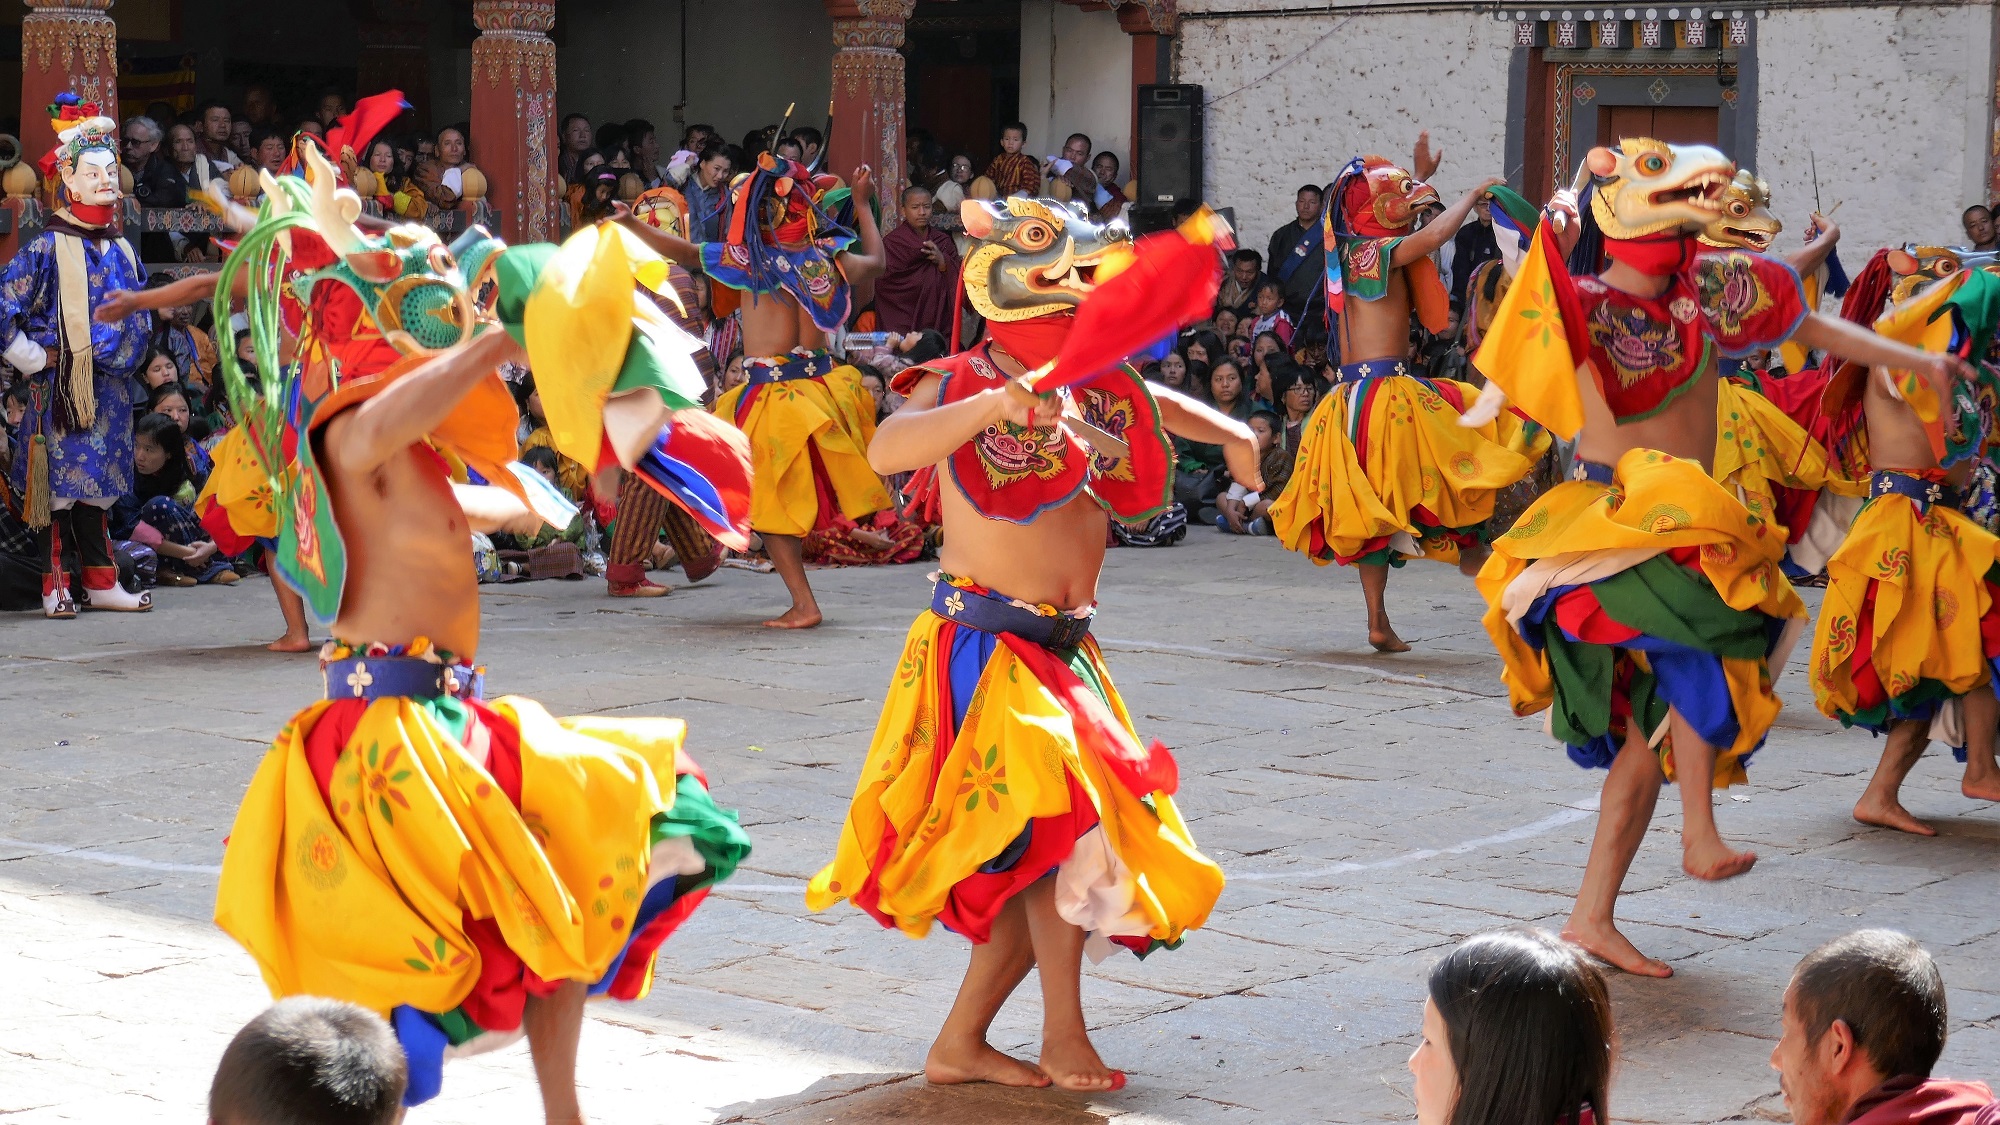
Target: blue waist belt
388	677
1596	472
1372	369
989	614
777	369
1923	493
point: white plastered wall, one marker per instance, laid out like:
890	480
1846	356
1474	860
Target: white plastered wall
1291	99
1894	102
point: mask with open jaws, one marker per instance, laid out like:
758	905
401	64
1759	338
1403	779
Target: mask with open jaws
1036	256
1648	187
1745	221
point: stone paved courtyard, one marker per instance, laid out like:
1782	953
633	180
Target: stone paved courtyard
1369	812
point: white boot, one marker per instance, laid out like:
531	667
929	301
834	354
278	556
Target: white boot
119	599
57	604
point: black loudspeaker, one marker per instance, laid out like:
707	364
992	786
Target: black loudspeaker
1169	145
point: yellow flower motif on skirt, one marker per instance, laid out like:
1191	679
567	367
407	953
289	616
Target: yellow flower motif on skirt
319	856
436	957
984	781
1894	563
1465	465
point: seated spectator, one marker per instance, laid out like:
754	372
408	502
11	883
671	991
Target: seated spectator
733	375
268	148
878	389
189	162
812	142
158	369
1109	200
214	132
571	476
443	178
577	139
159	512
1980	231
193	352
1297	396
240	132
705	190
1171	371
332	107
1239	289
1225	324
945	201
1202	346
1069	174
1517	1031
1241	511
13	408
307	1059
1271	316
1226	389
380	161
1864	1024
311	125
154	180
916	290
178	403
642	141
1014	172
790	149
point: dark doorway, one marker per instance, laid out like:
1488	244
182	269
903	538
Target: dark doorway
964	74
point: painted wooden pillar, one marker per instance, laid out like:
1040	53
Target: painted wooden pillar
868	94
514	114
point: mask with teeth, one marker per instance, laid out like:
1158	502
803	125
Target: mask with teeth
1036	256
1646	187
1745	221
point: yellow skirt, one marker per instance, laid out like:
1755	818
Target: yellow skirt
807	435
1759	449
986	773
1904	624
1613	603
1385	473
238	491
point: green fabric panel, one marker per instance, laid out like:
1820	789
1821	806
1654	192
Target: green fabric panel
517	271
458	1027
1664	599
1583	675
646	366
1516	206
451	713
721	841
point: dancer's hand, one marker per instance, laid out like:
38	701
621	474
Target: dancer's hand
862	185
1023	407
1946	368
1424	161
116	306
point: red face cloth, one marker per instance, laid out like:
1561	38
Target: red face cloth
1035	341
1660	255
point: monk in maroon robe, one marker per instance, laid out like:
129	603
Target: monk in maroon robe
915	290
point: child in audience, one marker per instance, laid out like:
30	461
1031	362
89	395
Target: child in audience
310	1061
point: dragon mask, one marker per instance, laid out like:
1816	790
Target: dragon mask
1036	256
1745	220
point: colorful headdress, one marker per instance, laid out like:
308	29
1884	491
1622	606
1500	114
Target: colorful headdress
347	141
1377	199
80	127
784	201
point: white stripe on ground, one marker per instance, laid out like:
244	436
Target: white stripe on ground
1558	819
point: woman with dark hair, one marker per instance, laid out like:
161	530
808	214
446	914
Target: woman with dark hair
177	403
159	512
1517	1031
1201	477
1298	393
1266	349
1202	346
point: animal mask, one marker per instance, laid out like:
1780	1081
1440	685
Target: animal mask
1647	187
424	296
1916	267
1745	220
1036	256
1384	201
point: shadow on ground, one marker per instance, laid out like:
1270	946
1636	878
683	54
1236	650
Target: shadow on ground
908	1098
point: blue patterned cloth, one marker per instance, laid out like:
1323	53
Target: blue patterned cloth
93	464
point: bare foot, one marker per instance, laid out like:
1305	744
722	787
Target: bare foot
1986	789
1072	1064
1605	943
1890	814
795	618
290	643
1386	640
950	1065
1713	861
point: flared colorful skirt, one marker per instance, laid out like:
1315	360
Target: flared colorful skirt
1641	588
439	860
1385	473
1911	620
808	449
999	762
